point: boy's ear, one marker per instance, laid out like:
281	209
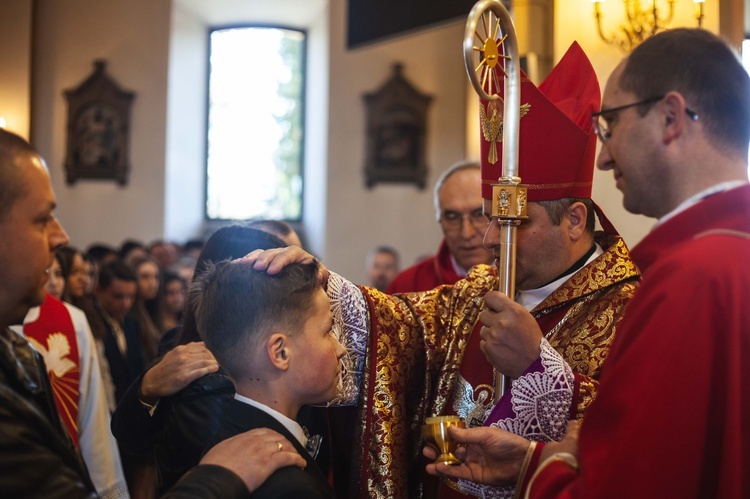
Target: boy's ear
277	351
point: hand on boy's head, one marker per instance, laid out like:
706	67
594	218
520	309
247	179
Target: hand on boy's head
273	260
254	455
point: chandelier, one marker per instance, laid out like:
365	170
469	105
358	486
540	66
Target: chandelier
642	20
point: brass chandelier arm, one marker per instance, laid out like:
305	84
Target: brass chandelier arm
641	22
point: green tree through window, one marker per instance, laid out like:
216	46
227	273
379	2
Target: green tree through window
255	123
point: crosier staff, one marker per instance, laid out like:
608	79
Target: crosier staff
490	25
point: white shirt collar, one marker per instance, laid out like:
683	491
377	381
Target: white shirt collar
692	200
459	270
290	424
530	298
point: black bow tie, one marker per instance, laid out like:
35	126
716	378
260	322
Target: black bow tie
313	443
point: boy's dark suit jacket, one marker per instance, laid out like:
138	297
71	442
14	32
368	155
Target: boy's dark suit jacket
289	482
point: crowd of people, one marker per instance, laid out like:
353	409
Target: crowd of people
281	378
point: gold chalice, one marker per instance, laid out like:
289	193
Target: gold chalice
435	434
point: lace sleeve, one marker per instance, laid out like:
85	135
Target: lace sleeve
541	400
351	326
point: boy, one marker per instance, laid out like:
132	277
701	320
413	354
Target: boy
272	335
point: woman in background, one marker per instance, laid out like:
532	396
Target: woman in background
77	275
173	301
56	283
146	307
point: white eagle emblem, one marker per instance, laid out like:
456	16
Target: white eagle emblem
56	353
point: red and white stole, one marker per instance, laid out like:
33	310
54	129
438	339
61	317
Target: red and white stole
54	337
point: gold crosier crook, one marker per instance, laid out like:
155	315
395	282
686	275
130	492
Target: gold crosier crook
491	53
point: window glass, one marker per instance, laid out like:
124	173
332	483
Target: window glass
255	124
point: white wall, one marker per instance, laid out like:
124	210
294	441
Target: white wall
186	126
315	209
133	37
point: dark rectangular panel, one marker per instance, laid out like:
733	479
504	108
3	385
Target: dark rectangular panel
372	20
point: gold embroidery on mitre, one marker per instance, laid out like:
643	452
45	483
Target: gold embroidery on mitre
492	127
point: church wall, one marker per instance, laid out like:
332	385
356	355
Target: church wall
15	61
133	37
186	127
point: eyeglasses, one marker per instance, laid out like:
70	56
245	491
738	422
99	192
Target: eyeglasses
453	220
605	133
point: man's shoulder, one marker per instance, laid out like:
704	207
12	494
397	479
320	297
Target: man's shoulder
26	436
419	277
288	482
238	417
211	384
706	257
614	265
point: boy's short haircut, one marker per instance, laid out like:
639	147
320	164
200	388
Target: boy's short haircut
237	307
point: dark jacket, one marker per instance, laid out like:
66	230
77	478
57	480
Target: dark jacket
124	368
289	482
185	423
37	457
180	428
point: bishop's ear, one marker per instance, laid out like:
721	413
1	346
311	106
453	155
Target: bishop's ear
577	215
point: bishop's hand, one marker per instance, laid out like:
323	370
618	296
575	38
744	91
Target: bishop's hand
511	337
275	259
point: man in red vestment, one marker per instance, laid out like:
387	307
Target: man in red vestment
671	418
459	212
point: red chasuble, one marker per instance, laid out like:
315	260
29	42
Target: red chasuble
421	360
54	337
672	418
579	320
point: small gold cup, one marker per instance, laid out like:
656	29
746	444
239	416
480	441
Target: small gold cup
435	434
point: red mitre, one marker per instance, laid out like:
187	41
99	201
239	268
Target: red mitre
557	145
